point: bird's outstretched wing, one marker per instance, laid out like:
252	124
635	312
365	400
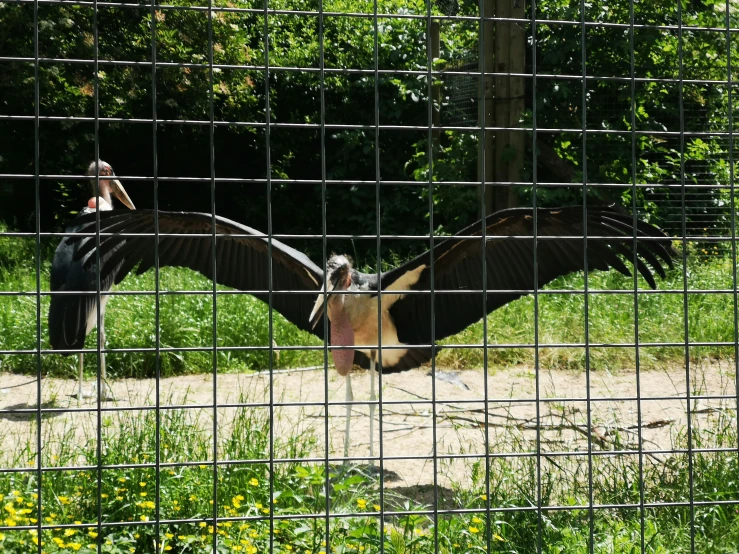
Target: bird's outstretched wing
509	258
241	255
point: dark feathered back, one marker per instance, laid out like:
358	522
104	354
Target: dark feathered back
69	313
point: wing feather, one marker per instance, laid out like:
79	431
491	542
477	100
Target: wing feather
241	261
509	259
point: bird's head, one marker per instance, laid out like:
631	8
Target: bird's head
338	277
108	186
338	272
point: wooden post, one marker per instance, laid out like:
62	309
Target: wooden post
504	102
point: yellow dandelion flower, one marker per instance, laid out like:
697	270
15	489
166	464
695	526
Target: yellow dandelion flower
142	484
202	524
497	537
93	534
476	520
64	500
361	503
474	530
74	545
144	493
69	532
254	482
483	497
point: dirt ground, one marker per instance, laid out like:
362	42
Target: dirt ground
414	428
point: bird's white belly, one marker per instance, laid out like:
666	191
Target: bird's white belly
362	311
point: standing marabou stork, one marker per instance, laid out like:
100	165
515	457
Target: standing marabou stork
72	317
241	257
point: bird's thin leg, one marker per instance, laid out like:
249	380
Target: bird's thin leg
81	361
107	391
349	398
372	410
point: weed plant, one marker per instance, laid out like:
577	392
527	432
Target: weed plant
271	498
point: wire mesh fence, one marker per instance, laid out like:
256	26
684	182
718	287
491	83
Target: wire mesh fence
558	376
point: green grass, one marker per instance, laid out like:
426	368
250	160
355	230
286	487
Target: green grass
248	493
611	321
186	321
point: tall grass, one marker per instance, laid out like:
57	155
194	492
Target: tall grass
187	321
250	490
610	321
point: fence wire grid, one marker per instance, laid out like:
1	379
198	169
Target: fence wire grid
595	414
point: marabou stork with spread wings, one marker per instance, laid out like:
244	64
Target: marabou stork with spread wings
72	316
242	260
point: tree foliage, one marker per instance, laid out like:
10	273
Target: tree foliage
184	94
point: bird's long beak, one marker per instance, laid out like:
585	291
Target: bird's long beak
120	193
319	307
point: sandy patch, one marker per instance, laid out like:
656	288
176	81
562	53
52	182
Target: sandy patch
414	429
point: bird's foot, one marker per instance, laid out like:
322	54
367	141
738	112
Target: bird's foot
106	395
82	395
